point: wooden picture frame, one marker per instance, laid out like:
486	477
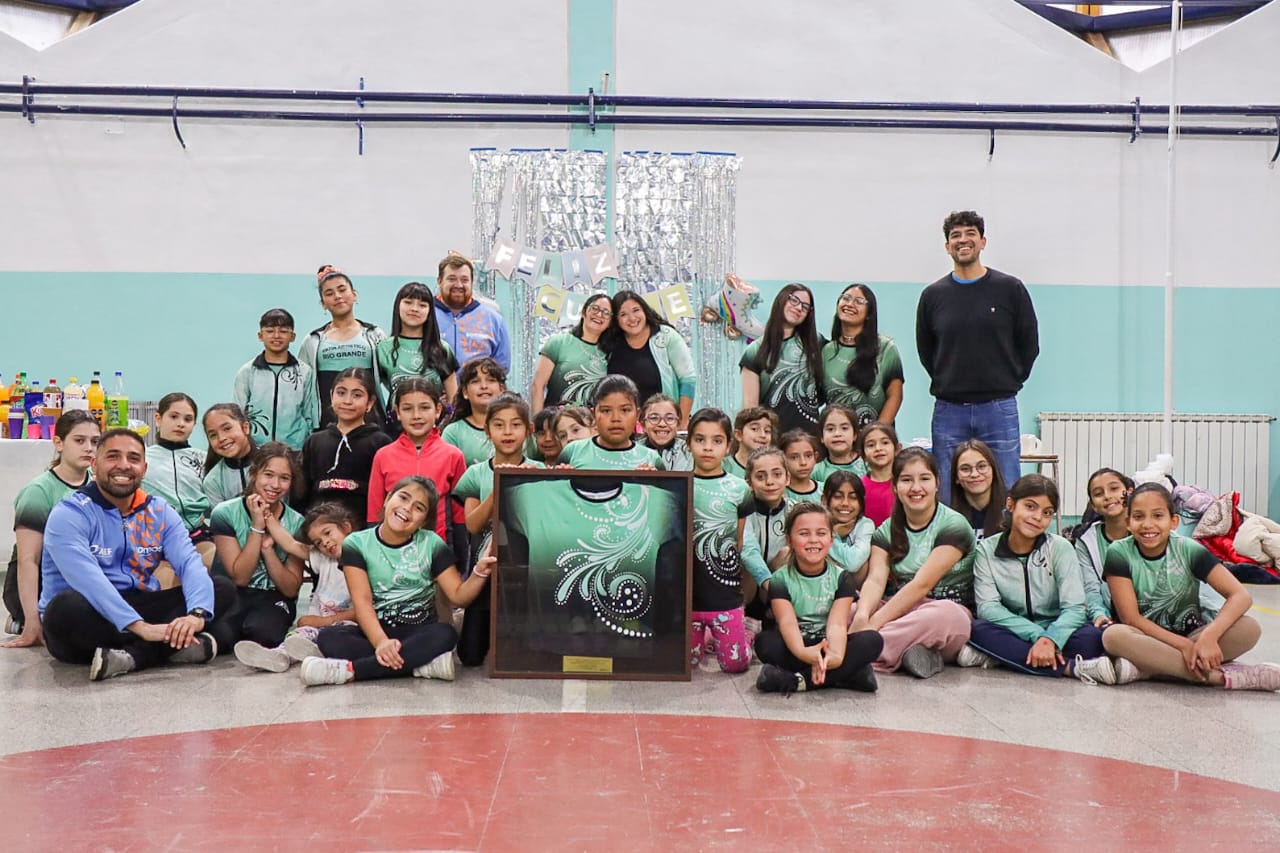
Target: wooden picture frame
594	574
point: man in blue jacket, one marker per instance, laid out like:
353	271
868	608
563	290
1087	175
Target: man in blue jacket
101	603
473	328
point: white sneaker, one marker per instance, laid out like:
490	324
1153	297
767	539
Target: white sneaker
317	670
258	656
1096	670
1251	676
1126	671
299	647
969	656
12	626
440	668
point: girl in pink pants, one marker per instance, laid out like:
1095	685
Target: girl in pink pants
923	558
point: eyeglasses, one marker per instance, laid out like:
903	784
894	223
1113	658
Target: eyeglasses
599	312
969	470
656	419
853	300
799	304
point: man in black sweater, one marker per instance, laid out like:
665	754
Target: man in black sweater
977	338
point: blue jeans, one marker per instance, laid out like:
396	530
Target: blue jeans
1011	650
994	422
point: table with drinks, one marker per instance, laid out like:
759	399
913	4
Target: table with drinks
28	414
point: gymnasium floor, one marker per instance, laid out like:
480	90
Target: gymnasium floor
220	758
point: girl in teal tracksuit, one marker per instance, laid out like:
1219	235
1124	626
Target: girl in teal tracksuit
1030	602
175	469
341	343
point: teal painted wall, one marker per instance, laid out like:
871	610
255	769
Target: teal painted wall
1101	347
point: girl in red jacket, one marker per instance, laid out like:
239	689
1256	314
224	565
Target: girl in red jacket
418	451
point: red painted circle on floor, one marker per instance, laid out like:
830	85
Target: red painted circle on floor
597	781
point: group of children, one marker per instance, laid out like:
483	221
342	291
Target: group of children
829	557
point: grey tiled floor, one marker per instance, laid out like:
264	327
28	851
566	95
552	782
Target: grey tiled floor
1234	736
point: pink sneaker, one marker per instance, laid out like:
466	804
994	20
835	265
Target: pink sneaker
1251	676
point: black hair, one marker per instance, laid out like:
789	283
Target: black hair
576	331
899	546
1032	486
430	345
119	431
963	218
993	518
276	318
850	415
509	400
365	377
233	411
433	497
546	418
791	436
709	415
1152	488
470	370
416	385
176	397
864	432
1090	515
861	372
616	383
615	336
806	332
331	512
839	478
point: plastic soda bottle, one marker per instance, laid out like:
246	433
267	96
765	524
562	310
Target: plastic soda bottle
97	398
73	397
118	404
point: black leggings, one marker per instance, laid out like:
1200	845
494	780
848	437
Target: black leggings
261	615
473	641
73	629
862	648
419	644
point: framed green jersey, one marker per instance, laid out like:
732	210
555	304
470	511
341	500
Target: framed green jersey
593	576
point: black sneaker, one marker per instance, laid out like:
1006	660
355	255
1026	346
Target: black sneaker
922	662
108	663
202	652
775	679
864	680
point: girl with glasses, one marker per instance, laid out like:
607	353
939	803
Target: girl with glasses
571	363
660	420
862	368
977	487
783	370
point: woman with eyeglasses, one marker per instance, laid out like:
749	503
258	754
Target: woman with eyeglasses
648	351
861	367
571	363
783	370
977	487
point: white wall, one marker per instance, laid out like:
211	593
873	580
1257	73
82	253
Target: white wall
839	204
105	194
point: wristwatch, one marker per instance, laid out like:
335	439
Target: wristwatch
202	613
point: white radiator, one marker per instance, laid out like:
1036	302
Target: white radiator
1222	453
